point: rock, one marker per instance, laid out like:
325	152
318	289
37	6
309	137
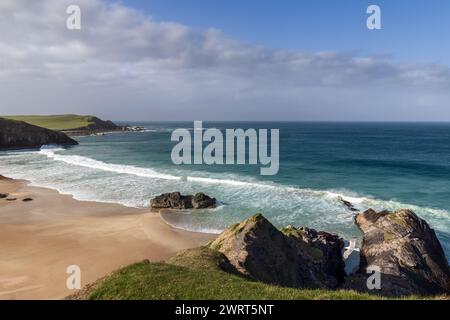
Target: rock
296	258
407	251
329	259
201	200
11	199
3	195
27	200
175	200
348	204
19	135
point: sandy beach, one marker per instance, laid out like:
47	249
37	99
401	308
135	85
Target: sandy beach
39	239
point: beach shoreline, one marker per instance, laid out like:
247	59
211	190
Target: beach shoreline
40	238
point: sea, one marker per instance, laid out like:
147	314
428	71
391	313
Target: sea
384	166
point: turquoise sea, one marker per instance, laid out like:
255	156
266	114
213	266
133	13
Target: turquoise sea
372	165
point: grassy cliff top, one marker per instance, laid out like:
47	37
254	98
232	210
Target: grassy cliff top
198	274
56	122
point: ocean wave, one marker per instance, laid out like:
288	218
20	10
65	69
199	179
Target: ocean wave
100	165
361	202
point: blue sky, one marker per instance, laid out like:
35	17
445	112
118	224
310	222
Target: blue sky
227	60
413	30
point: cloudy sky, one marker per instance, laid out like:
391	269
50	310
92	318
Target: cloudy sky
226	60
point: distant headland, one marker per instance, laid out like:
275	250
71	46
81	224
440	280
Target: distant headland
73	124
34	131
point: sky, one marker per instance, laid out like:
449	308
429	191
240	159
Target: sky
227	60
414	30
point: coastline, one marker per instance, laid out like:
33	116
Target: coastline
39	239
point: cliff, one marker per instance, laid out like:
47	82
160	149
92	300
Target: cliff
19	135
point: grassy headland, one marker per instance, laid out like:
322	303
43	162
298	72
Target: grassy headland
56	122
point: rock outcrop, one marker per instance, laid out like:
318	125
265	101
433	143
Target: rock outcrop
176	200
347	204
406	250
201	200
325	248
301	258
20	135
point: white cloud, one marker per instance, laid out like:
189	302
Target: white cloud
123	64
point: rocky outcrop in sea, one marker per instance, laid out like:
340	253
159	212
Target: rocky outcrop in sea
176	200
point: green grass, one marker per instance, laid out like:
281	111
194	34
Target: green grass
198	274
55	122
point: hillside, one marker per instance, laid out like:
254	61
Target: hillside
67	122
18	134
197	274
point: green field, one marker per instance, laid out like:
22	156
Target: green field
197	274
56	122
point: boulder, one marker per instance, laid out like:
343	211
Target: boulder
406	250
3	195
296	258
201	200
328	248
176	200
347	204
19	135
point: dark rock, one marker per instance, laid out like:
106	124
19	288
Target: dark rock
3	195
11	199
201	201
260	251
19	135
406	250
348	204
27	200
175	200
330	261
